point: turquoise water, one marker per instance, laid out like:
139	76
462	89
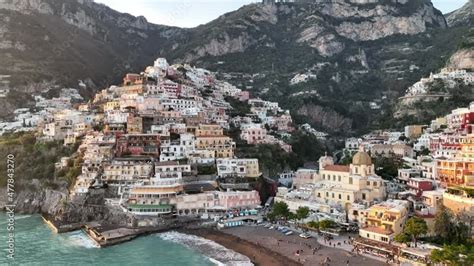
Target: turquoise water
36	244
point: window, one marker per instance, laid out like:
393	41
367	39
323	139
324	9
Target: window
348	197
340	196
350	180
368	183
339	178
363	196
333	195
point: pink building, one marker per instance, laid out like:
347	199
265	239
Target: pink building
243	96
253	134
283	123
238	199
173	90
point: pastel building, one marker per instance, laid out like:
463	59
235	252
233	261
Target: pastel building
223	146
127	171
238	167
348	184
138	144
155	196
385	220
458	170
253	133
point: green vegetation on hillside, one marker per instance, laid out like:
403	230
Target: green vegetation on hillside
273	160
33	160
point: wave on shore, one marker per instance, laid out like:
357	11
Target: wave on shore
216	253
80	239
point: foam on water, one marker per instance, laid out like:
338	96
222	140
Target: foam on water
79	238
22	217
216	253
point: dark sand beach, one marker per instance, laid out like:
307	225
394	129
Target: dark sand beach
269	247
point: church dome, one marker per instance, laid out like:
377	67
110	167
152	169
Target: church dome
361	158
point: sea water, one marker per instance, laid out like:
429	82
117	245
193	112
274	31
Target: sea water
37	244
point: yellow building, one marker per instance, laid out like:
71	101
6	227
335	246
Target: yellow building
209	130
111	105
385	220
238	167
414	131
342	185
132	89
222	145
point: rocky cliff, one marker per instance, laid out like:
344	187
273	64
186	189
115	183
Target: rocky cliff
58	204
71	40
462	16
325	27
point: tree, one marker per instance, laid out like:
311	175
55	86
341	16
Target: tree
313	224
302	213
280	210
425	151
461	233
443	224
415	227
325	224
454	255
402	238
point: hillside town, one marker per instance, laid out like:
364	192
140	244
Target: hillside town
436	173
437	85
159	140
164	141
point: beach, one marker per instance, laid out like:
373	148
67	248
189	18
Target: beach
258	254
270	247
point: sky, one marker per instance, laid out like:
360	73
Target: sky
191	13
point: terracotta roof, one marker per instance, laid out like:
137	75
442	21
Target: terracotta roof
337	168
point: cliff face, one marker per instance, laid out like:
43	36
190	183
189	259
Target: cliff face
462	16
463	59
322	26
59	205
71	40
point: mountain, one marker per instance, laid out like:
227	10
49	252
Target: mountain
366	51
462	16
48	43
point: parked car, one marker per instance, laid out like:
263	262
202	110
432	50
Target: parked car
284	230
305	235
289	233
271	227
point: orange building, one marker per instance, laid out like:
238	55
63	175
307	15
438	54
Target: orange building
132	79
458	170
